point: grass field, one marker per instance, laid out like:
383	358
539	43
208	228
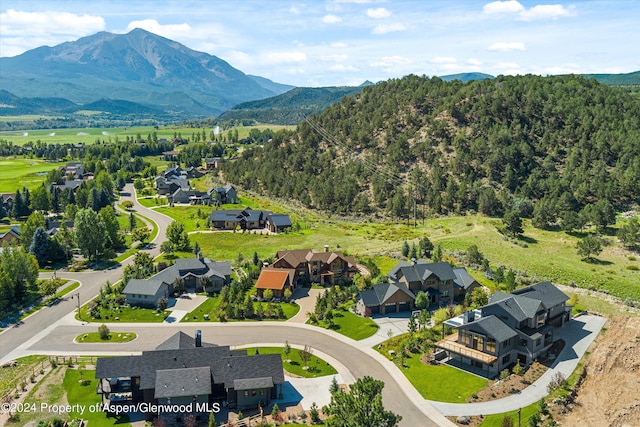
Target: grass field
210	305
91	135
18	173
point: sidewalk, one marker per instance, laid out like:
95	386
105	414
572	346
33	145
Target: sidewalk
578	336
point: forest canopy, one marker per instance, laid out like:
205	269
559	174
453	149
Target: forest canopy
563	142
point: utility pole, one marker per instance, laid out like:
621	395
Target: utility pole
77	294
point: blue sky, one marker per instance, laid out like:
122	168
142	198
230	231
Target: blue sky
345	42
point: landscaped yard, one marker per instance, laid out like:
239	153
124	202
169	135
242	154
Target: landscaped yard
441	383
316	366
351	325
210	306
125	314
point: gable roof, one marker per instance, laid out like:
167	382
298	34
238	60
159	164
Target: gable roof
279	220
380	293
253	367
179	340
143	286
114	367
463	278
183	382
490	326
518	307
421	270
273	278
545	292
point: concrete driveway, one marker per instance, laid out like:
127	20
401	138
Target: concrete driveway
388	326
179	307
306	299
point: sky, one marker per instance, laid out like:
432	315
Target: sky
346	42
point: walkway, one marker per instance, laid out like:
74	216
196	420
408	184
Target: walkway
578	336
306	299
179	307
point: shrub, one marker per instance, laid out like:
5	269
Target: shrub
103	331
504	374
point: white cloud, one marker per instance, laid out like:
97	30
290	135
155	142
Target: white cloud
474	61
507	47
541	11
283	57
338	45
378	13
547	11
508	68
510	6
341	68
388	61
171	31
389	28
334	58
294	10
444	60
22	31
331	19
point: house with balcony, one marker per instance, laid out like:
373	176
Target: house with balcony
512	328
436	279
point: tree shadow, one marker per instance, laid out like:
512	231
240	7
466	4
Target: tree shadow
527	239
597	261
577	234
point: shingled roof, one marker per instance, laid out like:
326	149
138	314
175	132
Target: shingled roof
183	382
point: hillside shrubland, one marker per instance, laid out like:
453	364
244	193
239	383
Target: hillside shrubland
560	143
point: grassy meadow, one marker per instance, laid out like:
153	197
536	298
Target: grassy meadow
91	135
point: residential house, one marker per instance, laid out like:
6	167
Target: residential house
326	268
212	163
277	222
436	279
196	274
13	235
276	279
463	284
193	197
383	299
184	371
516	327
169	185
248	219
170	156
73	169
224	195
6	199
442	284
71	184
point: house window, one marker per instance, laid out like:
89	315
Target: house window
465	338
253	392
445	294
523	342
246	393
261	392
506	359
491	345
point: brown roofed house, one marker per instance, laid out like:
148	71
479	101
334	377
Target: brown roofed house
276	279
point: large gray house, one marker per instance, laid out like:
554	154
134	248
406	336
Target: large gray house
198	274
183	372
515	327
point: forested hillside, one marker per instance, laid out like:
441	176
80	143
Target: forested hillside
559	143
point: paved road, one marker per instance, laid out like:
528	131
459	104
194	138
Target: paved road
90	281
398	394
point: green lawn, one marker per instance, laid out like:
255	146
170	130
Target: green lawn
496	419
210	306
151	202
116	337
351	325
80	386
441	383
16	173
316	366
125	314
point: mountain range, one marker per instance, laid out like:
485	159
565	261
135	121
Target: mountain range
145	75
139	67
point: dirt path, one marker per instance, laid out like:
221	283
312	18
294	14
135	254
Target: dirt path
610	393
